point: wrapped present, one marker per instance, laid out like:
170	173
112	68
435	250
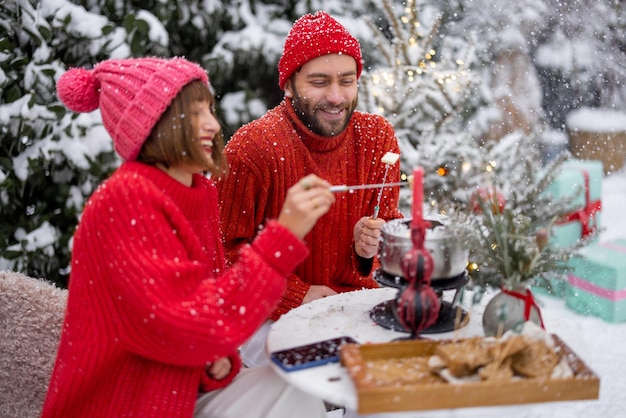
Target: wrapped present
597	283
580	181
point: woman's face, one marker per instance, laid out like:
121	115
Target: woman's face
206	126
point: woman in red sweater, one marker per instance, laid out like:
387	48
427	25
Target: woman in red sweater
154	319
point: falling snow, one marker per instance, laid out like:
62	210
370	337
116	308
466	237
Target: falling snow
602	343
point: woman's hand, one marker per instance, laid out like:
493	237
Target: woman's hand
219	369
305	203
367	233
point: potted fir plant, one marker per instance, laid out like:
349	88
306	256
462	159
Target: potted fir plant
510	249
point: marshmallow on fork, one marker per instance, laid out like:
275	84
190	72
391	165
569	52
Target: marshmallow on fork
390	158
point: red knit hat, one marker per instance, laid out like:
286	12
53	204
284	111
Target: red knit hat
132	94
313	36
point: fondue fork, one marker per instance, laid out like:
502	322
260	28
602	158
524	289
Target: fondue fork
389	159
380	193
345	188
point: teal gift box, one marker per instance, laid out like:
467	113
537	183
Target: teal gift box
597	282
580	181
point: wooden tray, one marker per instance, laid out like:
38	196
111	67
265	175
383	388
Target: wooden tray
442	395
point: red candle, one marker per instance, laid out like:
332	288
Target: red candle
418	196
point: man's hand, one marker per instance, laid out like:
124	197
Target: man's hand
367	233
219	369
317	292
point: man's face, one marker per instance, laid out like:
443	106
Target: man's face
324	93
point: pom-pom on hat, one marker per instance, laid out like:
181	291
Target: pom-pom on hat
312	36
132	94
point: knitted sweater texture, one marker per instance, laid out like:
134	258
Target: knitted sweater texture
270	154
150	302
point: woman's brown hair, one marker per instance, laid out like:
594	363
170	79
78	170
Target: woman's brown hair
173	140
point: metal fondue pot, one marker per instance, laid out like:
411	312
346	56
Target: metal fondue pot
449	257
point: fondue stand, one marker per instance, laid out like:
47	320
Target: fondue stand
431	239
451	315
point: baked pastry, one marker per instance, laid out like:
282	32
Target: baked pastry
457	362
462	358
496	370
537	359
401	371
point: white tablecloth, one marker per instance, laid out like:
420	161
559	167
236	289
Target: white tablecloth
348	314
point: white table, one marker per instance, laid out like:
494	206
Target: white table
348	314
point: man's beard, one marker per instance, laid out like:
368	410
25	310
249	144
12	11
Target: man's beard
307	114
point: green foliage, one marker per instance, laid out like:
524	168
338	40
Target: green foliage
36	178
44	179
509	243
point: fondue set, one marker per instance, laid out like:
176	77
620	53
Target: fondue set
421	258
450	262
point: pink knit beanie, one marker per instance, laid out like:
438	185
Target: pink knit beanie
132	94
313	36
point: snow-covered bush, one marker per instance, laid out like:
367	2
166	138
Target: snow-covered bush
52	159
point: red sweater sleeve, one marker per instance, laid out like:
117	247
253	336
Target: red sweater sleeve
167	297
208	384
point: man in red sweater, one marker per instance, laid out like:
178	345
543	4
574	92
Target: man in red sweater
315	129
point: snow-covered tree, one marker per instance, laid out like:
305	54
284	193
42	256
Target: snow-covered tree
50	159
578	47
427	88
582	56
